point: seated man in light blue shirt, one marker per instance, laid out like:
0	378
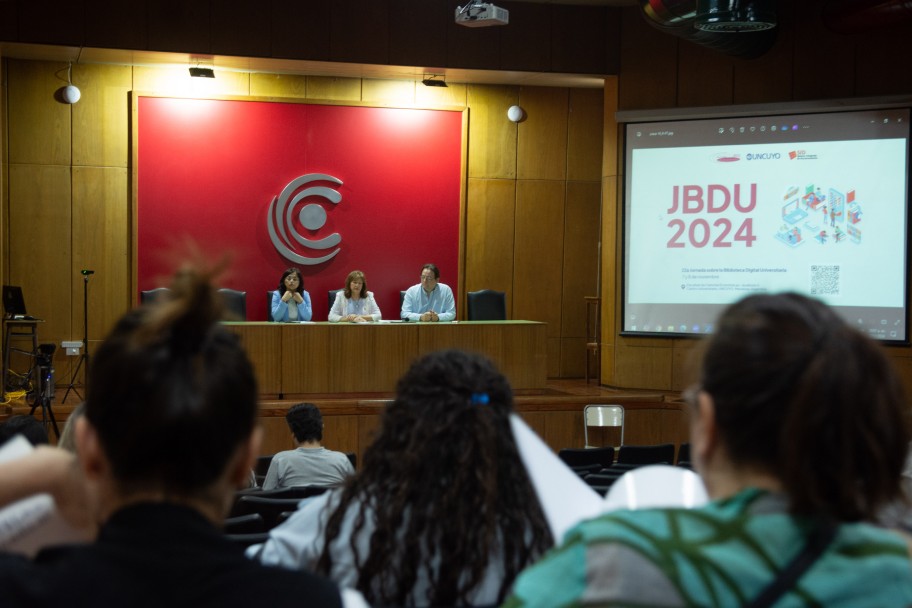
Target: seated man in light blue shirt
429	300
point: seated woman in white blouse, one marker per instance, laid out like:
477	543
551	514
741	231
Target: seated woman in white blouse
354	304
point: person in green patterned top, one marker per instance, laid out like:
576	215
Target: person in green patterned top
799	424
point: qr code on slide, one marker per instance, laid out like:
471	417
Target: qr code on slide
824	280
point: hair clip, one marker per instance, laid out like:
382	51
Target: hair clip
480	399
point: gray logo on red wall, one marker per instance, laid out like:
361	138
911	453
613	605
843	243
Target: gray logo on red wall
282	232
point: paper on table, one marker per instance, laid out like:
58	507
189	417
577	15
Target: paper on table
564	496
28	525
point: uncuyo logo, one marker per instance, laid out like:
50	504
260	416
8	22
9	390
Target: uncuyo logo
282	231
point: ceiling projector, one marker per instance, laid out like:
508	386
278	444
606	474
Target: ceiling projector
481	14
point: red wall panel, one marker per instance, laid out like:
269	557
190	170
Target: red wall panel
209	169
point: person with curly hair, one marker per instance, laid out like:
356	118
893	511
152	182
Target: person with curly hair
442	513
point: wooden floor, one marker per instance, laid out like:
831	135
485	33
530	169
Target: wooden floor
555	413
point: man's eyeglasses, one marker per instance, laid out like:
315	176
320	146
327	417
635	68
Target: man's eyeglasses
428	278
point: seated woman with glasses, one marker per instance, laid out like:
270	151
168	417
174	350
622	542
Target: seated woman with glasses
169	432
799	430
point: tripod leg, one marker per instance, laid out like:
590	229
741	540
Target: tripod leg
71	386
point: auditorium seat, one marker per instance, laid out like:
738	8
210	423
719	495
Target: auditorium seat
150	295
647	454
332	297
576	457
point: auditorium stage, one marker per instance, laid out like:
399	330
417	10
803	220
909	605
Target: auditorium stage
554	412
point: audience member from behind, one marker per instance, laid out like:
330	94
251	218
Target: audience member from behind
67	439
167	436
442	512
290	302
310	464
354	304
429	300
799	429
25	425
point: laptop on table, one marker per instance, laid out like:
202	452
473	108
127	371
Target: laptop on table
14	304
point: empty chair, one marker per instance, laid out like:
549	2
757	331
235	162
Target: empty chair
235	304
271	509
150	295
647	454
574	457
487	305
603	416
252	523
587	469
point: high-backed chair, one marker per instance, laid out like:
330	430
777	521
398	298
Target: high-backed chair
487	305
575	457
662	453
332	297
235	304
401	300
150	295
269	306
602	416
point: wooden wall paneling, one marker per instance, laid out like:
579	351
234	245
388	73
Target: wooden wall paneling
368	426
299	29
541	149
469	338
573	358
610	128
52	22
881	61
643	426
278	85
392	92
265	349
276	435
240	27
554	351
100	243
581	37
538	253
101	118
305	369
521	45
822	61
515	362
176	81
181	26
648	64
537	421
685	364
563	430
492	137
585	134
390	352
42	124
417	34
340	433
611	272
329	87
580	271
451	95
643	366
114	24
39	237
490	219
705	76
360	31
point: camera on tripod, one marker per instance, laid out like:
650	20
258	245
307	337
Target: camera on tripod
45	354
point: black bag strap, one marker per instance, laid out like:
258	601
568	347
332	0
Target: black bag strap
816	544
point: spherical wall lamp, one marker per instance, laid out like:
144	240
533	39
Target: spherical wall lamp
516	114
70	93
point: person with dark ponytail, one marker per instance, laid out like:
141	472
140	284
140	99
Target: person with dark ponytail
799	430
167	436
442	512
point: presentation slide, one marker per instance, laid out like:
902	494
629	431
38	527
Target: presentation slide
717	209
